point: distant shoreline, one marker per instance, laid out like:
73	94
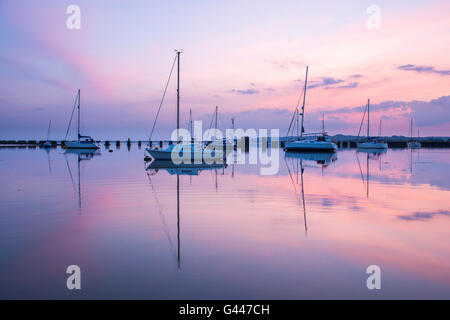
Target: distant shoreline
343	141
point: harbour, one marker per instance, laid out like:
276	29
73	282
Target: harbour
224	159
316	224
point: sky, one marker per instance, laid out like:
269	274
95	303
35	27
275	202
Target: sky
246	57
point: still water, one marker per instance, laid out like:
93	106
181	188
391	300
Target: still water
309	231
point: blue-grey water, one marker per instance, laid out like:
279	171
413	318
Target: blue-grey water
310	231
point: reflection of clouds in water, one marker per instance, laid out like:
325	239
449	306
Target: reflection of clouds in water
424	216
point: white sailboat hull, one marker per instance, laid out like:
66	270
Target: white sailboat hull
373	145
311	145
414	145
198	154
81	145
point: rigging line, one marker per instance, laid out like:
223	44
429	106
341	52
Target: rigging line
360	170
362	120
71	177
71	117
162	217
290	175
296	110
303	198
162	99
212	119
292	121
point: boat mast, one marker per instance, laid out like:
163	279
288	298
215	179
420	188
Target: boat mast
178	93
368	118
323	124
48	132
190	122
79	98
303	106
215	124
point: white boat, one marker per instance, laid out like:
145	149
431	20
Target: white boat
196	150
373	143
413	143
319	144
176	151
83	142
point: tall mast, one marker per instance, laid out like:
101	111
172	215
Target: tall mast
368	118
303	106
48	132
79	98
411	128
190	121
215	125
178	93
323	124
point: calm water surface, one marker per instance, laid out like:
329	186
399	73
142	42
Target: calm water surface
235	234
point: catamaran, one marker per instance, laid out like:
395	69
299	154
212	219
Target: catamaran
196	149
372	142
321	143
83	142
413	143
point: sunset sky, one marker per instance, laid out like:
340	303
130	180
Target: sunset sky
247	57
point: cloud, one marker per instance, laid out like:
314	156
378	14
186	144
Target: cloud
356	76
325	81
424	69
329	83
424	216
246	91
345	86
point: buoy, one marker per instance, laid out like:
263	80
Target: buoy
147	158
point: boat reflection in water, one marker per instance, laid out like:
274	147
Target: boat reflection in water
173	169
183	169
82	155
323	160
371	154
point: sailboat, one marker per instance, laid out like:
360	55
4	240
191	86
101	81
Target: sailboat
413	143
196	149
224	143
319	144
83	142
48	144
371	143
